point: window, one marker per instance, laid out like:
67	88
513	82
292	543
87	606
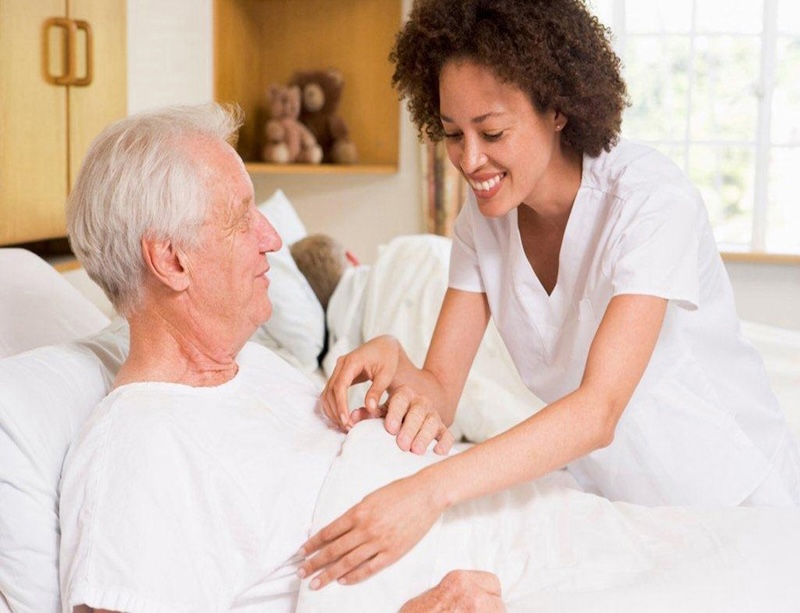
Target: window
715	84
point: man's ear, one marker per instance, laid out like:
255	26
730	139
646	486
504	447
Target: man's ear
166	263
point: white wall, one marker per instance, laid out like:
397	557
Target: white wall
768	294
170	60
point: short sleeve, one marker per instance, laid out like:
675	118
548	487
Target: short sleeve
656	248
141	527
464	268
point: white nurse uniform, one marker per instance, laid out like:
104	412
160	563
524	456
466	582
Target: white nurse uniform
702	427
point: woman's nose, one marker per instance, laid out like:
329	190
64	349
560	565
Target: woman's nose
472	155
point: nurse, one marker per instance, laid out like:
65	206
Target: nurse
597	262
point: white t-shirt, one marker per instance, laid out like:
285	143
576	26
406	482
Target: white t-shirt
703	426
179	498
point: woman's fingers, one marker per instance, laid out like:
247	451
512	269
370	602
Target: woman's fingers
374	361
446	441
361	558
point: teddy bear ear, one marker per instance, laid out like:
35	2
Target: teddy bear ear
336	75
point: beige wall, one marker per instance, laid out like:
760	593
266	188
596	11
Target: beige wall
171	61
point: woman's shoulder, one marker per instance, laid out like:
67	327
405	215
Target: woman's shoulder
633	167
635	178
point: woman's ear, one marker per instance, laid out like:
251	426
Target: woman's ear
559	121
166	263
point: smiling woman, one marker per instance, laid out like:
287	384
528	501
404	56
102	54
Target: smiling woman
595	258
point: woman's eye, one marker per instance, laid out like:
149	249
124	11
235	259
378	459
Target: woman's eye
493	136
452	135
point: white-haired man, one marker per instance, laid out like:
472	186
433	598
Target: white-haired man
192	486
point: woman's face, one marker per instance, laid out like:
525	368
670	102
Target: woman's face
497	139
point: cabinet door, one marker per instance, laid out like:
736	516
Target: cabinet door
33	116
93	107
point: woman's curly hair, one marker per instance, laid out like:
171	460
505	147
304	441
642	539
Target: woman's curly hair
554	50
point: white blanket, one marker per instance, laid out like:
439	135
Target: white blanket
558	549
402	297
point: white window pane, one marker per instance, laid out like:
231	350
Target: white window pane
724	102
655	71
783	215
677	153
786	97
658	16
603	9
789	16
725	176
741	16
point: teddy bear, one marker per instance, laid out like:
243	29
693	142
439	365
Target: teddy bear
321	93
287	139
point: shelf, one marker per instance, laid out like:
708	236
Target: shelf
320	169
752	257
258	42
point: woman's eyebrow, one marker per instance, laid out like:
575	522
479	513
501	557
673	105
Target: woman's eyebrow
478	119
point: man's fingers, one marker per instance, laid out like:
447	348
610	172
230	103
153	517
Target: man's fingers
488	582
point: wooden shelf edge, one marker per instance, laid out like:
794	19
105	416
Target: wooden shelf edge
761	258
320	169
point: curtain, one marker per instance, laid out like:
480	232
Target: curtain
444	189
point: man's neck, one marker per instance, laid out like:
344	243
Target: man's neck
170	350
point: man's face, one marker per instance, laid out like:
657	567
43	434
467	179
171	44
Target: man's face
228	268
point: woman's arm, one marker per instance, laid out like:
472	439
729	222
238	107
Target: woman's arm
391	520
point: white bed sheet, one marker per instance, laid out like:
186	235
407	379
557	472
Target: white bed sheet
556	548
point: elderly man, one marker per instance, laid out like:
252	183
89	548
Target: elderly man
192	486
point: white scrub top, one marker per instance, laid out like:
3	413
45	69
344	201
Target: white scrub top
702	427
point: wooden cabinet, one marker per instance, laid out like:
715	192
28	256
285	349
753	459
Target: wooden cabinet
262	41
62	79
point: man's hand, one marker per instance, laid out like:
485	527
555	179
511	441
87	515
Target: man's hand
461	591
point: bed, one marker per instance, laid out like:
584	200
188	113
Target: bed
555	548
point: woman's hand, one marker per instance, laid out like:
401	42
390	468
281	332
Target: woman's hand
374	533
376	361
411	418
408	416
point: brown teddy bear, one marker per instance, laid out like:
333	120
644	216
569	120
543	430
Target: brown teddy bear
288	140
321	93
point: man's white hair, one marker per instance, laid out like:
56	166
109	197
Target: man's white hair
139	179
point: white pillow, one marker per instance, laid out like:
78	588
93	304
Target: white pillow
297	324
45	396
38	307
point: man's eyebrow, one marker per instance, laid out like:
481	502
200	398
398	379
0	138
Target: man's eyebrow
478	119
